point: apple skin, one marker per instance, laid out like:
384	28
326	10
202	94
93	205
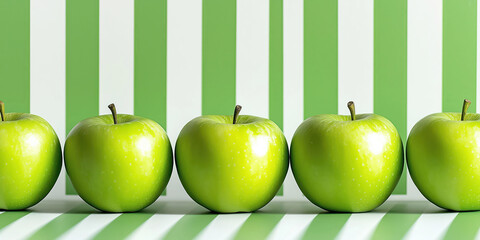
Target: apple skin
443	158
120	167
347	166
30	160
229	167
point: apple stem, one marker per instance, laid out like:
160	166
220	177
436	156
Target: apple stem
466	104
114	112
351	107
2	110
236	112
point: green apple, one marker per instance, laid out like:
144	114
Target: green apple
30	159
118	163
231	164
443	157
347	163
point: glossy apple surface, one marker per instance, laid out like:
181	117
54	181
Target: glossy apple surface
30	160
121	167
228	167
443	157
344	165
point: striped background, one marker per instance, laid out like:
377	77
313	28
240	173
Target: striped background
171	61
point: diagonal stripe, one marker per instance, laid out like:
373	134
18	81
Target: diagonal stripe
258	226
396	223
390	68
223	226
465	224
459	54
26	225
431	225
62	223
123	226
89	226
155	227
218	57
320	57
7	218
360	225
82	58
15	55
326	225
291	226
189	226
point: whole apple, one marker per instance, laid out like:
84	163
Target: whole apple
347	163
231	164
443	157
118	163
30	159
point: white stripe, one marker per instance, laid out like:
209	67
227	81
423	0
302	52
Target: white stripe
431	226
355	55
292	80
360	225
27	225
116	55
184	73
291	226
47	69
223	227
424	69
155	227
89	226
252	57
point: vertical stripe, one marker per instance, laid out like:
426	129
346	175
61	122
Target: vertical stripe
47	69
116	55
189	226
27	225
355	55
390	67
223	226
459	54
326	225
424	66
89	226
477	60
15	55
465	224
123	225
360	226
184	74
252	57
292	82
275	72
320	57
218	57
258	226
396	223
155	227
82	43
292	226
150	60
7	218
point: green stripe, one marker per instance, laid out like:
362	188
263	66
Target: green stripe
320	57
189	226
258	226
459	54
123	226
218	57
465	224
15	55
62	223
9	217
326	226
82	58
396	223
150	60
390	68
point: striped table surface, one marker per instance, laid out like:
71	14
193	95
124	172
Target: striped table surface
52	219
